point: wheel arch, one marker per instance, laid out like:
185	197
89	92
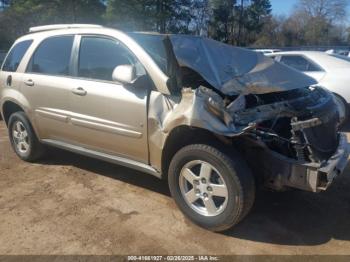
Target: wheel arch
186	135
8	108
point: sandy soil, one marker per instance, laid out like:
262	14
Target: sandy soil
69	204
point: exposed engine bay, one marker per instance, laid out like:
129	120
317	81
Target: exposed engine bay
293	123
289	131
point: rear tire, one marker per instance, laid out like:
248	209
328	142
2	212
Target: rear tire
213	189
23	138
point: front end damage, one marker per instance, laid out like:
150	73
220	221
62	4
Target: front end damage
285	127
289	139
294	142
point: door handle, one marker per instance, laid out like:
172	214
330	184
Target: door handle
29	82
79	91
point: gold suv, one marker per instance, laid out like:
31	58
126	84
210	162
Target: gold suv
214	120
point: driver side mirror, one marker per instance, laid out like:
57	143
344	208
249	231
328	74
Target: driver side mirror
125	74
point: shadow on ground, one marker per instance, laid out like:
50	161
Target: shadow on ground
288	218
127	175
300	218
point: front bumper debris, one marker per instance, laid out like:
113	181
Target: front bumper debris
315	177
335	165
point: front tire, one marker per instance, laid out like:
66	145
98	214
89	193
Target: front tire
213	189
23	139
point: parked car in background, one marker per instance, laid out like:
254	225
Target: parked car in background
342	57
331	71
341	52
212	119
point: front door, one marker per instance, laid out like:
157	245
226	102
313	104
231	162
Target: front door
108	116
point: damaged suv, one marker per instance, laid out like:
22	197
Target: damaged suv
214	120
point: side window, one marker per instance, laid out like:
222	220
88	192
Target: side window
99	56
52	57
314	68
299	63
15	56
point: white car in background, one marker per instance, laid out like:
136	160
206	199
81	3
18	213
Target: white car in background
267	51
331	71
338	52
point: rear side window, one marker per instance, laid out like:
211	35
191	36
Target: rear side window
15	56
99	56
299	63
52	57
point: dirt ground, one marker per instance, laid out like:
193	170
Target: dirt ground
70	204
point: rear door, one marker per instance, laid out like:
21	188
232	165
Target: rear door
47	86
9	78
108	116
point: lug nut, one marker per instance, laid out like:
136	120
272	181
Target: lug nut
197	191
196	182
205	195
204	180
209	188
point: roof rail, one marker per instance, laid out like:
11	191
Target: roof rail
61	26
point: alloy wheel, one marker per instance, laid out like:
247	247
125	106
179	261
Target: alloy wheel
203	188
20	137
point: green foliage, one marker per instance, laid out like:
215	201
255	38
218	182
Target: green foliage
223	20
313	22
237	22
147	15
257	13
22	14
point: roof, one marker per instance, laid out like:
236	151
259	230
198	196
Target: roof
61	26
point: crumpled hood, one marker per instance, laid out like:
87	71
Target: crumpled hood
233	70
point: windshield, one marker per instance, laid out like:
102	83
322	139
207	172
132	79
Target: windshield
216	62
230	70
153	45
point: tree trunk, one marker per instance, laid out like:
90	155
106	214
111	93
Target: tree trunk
240	24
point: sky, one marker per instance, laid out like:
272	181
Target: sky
282	7
285	7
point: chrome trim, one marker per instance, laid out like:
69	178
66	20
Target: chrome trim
51	115
89	124
103	156
61	26
105	128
